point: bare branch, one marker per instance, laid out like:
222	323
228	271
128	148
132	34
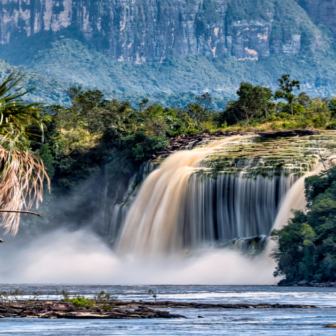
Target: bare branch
22	211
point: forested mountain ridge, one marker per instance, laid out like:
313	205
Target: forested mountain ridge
138	48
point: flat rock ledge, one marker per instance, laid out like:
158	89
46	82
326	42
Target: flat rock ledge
116	309
184	141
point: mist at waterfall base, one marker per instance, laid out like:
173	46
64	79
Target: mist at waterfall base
81	257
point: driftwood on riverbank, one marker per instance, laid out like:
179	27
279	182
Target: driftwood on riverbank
116	309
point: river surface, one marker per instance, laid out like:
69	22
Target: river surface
214	322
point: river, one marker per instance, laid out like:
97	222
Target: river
214	322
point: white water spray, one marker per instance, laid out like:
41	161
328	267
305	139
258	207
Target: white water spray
81	257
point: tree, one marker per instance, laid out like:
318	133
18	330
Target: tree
143	104
205	100
332	107
196	111
253	102
201	110
87	105
22	173
303	99
286	90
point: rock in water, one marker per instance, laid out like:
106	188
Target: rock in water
330	326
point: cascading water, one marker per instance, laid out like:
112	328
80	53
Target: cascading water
216	211
152	222
227	193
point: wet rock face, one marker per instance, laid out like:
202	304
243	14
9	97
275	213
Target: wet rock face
147	30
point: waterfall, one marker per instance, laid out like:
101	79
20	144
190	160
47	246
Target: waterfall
228	193
151	224
181	206
217	211
120	211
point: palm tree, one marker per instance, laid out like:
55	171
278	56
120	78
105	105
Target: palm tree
21	172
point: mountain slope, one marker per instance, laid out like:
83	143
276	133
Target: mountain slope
48	90
134	48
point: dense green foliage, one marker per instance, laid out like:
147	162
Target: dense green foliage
258	107
307	245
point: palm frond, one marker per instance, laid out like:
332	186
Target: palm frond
22	176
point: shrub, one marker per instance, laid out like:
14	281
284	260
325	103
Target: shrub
80	301
320	121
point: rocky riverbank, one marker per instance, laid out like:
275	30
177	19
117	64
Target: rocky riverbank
185	141
116	309
63	309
